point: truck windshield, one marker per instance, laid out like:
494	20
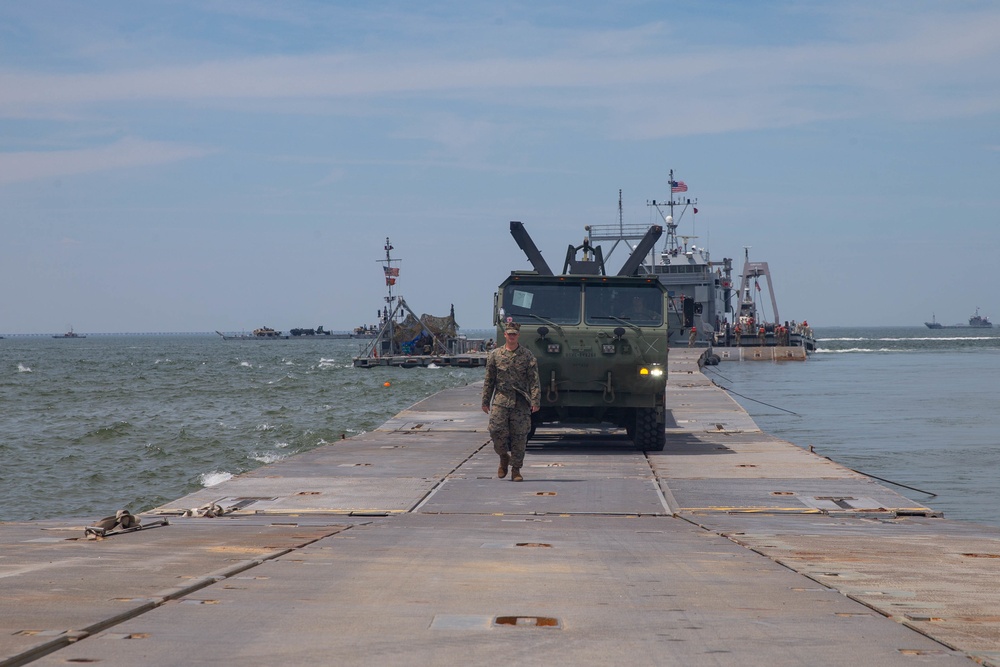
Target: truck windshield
559	304
641	305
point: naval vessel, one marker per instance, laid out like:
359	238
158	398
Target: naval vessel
703	291
976	321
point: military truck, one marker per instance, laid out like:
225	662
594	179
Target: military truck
601	341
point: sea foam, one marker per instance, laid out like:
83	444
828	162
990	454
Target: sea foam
215	477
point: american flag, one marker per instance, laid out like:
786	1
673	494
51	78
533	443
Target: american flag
391	271
678	186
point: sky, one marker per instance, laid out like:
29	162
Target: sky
230	164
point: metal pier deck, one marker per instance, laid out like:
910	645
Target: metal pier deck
400	547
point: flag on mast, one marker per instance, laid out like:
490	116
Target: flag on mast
678	186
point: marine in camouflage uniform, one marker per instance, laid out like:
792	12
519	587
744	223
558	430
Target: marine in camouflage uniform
511	393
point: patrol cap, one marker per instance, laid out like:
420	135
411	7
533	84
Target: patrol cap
512	327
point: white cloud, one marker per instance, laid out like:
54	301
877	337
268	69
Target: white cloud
908	69
128	152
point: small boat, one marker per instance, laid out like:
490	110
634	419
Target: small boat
69	334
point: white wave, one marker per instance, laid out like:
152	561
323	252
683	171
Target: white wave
263	427
281	445
21	368
942	339
246	364
215	477
432	365
266	457
326	363
861	349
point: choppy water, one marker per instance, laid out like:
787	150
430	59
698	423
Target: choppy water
92	425
96	424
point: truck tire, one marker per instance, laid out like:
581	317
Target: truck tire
650	434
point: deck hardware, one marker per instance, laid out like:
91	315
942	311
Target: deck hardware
534	544
545	493
528	621
308	493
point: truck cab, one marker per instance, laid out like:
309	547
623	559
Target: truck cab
601	341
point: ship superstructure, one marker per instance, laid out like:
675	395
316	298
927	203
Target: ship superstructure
700	289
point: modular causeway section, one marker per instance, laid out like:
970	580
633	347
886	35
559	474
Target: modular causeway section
400	546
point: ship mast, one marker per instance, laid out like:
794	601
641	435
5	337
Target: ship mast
391	273
669	220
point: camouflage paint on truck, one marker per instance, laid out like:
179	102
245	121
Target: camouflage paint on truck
601	341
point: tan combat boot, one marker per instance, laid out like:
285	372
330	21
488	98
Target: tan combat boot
502	470
515	475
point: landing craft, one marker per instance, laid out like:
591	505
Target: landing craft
601	341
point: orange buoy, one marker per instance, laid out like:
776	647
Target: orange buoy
386	384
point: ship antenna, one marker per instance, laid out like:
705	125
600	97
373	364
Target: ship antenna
621	218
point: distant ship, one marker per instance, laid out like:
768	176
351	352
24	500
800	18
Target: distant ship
69	334
263	333
977	321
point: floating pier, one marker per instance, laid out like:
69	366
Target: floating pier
470	360
400	546
774	353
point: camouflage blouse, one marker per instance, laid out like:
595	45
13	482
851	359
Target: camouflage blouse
509	375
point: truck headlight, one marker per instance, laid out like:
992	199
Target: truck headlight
654	371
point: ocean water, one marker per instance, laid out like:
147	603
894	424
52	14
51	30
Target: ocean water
918	407
89	426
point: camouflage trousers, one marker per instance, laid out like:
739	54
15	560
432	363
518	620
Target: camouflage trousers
509	428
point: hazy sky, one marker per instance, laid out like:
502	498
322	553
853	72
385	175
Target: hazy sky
191	166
